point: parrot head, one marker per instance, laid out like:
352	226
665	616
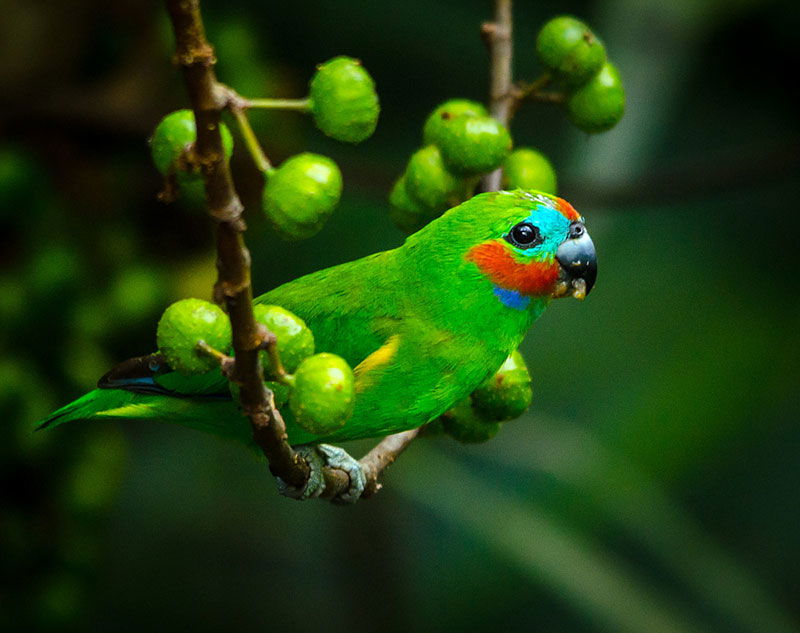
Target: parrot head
527	244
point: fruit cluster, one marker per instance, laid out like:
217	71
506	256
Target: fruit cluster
576	59
318	388
301	193
461	142
504	396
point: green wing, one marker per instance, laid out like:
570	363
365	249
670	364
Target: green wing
347	308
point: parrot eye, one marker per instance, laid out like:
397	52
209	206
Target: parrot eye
524	235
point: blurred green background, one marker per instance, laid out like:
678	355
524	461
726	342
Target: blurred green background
654	485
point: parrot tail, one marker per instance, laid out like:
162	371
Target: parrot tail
216	416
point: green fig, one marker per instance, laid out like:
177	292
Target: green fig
301	194
439	120
183	325
174	134
507	393
323	393
295	342
568	47
463	423
526	168
343	100
599	104
474	145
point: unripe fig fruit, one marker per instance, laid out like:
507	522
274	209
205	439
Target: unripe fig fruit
463	423
429	183
599	104
443	115
323	393
183	325
568	47
527	168
474	145
343	100
174	134
295	342
405	213
507	394
301	194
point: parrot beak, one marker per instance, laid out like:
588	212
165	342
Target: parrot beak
578	261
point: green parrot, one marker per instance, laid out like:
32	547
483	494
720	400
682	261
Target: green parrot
422	325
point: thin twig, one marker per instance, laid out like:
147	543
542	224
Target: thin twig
382	456
534	91
297	105
250	141
269	343
498	36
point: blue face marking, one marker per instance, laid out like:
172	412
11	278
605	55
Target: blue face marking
553	227
511	298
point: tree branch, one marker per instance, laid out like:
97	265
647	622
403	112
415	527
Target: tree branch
382	456
233	289
498	37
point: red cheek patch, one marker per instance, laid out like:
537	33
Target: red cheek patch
497	262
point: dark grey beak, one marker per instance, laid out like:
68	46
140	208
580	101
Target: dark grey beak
578	261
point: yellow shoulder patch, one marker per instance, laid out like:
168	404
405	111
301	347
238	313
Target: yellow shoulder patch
365	370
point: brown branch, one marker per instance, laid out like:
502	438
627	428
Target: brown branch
382	456
498	37
233	289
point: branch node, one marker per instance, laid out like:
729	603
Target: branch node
201	53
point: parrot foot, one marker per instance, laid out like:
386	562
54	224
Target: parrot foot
315	484
317	457
336	457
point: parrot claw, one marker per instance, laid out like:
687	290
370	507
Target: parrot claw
317	457
316	482
336	457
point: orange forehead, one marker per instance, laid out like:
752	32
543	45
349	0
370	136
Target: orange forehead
567	210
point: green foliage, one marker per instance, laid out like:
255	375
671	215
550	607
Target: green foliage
527	168
19	175
599	104
186	323
568	48
138	292
323	393
343	100
295	342
301	194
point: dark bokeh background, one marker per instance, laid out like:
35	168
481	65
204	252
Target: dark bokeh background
654	485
